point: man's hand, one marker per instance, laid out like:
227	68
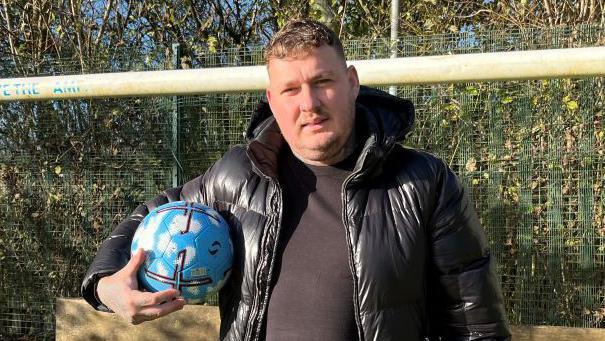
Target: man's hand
119	292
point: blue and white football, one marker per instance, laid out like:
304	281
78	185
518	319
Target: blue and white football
188	248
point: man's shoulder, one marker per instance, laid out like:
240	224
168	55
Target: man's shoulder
233	181
234	164
414	159
423	170
228	172
236	154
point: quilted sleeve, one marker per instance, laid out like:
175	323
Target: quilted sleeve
465	298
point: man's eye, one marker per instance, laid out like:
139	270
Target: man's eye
324	81
288	90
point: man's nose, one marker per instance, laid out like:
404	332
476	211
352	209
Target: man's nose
309	100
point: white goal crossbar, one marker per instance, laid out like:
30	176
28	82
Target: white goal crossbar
497	66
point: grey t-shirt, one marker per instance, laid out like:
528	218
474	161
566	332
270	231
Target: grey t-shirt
312	294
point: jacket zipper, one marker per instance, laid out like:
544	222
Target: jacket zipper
278	215
351	258
254	324
250	324
252	316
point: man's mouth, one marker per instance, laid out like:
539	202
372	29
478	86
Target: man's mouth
314	123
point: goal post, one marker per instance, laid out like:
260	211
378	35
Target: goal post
496	66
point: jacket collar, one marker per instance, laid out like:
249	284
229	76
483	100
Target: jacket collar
381	119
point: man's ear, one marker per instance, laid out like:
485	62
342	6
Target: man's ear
353	80
268	94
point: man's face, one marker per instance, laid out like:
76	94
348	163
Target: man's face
313	100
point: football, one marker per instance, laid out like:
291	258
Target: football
188	248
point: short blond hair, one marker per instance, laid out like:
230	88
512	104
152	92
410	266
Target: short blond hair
298	37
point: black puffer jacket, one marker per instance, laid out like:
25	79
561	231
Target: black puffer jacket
418	256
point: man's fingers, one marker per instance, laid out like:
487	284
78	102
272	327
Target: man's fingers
156	311
144	299
136	260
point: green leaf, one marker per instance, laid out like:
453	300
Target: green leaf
212	42
450	106
471	90
571	105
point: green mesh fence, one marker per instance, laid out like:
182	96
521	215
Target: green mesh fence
530	153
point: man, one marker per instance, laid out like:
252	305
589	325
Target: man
339	232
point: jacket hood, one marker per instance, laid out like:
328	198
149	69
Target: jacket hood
391	118
382	120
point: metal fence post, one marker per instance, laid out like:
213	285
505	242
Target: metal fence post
394	36
177	169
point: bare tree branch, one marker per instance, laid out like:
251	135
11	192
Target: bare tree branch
78	30
108	7
11	42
